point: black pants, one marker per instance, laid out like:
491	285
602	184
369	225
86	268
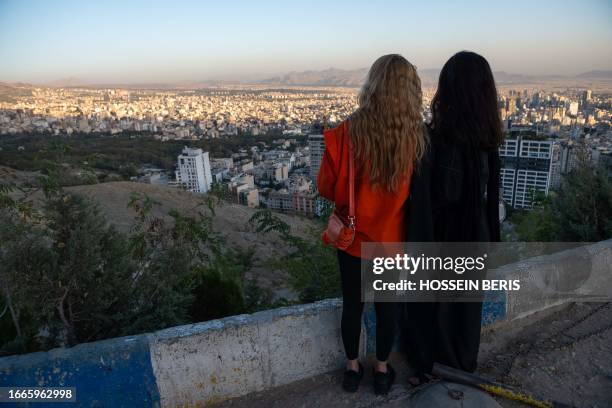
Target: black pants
352	308
443	332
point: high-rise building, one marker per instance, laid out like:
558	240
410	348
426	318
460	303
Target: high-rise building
511	106
586	96
193	170
556	166
316	145
526	169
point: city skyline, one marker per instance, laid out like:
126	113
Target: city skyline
142	42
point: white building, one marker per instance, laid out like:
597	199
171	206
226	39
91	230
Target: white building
316	145
573	108
193	171
526	168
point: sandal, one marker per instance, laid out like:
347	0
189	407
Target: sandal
419	379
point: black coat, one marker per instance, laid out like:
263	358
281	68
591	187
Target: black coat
454	197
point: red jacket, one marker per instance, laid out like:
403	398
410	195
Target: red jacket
379	214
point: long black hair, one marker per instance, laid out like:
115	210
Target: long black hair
465	124
465	107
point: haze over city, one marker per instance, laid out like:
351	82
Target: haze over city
154	41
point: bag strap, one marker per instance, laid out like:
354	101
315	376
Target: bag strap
351	216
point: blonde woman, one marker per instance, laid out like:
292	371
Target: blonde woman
388	137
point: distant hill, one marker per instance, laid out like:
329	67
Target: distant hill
68	82
8	92
13	86
327	77
356	77
338	77
602	74
503	77
143	85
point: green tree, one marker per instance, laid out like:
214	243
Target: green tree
216	295
67	276
311	265
73	278
581	211
538	224
583	207
25	257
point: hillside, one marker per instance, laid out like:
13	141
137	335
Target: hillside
11	176
9	92
231	220
328	77
601	74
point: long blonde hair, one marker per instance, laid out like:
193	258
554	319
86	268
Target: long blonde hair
387	129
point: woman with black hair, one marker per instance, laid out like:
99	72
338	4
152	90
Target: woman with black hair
454	197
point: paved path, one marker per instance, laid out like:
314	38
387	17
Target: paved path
565	355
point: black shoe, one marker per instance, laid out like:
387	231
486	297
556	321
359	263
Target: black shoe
383	381
352	378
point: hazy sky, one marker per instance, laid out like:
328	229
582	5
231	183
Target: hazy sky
144	41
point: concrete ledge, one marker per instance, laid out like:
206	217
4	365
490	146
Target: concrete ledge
576	274
216	360
204	363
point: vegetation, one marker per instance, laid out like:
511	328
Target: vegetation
67	276
581	211
312	266
107	156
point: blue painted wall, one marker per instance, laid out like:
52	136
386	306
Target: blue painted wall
110	373
494	307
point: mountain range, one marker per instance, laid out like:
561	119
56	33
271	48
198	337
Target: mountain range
331	77
429	77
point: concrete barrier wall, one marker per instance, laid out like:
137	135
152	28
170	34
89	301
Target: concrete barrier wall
203	363
215	360
572	275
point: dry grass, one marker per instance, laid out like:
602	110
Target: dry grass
231	221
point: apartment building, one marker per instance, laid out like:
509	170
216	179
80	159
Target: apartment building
298	202
316	145
526	168
193	170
